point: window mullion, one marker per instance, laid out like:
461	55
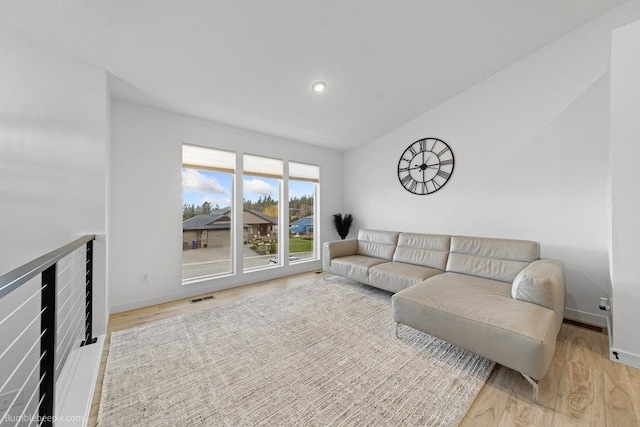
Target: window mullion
284	215
238	215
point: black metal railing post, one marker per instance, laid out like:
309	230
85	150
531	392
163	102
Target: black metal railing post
48	344
89	297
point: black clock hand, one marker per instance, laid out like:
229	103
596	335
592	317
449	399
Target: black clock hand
410	169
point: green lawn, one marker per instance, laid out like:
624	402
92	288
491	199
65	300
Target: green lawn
300	245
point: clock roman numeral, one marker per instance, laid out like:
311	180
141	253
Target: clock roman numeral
444	150
435	184
413	151
446	162
423	145
443	174
409	183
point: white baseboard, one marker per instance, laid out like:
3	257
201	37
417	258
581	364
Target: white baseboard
628	359
584	317
76	384
218	284
615	355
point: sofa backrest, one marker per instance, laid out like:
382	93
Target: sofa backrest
377	244
429	250
497	259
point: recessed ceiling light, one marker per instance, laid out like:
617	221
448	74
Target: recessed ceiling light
319	86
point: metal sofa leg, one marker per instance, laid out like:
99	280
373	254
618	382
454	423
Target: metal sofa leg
534	383
397	325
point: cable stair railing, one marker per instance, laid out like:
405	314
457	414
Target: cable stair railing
46	311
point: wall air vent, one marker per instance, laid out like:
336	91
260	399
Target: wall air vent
200	299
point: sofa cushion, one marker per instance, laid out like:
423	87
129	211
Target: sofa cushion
428	250
497	259
479	315
355	267
377	244
396	276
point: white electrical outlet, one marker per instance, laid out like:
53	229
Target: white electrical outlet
144	278
7	398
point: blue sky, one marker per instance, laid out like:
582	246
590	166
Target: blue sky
199	186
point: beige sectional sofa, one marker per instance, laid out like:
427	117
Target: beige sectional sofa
493	297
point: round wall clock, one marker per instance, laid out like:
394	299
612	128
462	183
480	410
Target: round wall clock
425	166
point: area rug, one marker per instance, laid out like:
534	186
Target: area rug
319	354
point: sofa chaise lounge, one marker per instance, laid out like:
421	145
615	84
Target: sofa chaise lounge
493	297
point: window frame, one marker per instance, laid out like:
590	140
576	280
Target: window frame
208	166
239	170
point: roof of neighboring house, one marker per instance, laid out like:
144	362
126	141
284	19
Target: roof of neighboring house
208	221
201	222
268	218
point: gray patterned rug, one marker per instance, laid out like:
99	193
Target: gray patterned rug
318	354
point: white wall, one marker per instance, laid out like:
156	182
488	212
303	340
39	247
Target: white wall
146	200
53	123
53	139
625	185
53	147
531	146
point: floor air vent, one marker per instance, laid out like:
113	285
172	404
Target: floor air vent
207	298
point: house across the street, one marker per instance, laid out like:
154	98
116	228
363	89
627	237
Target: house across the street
212	230
302	226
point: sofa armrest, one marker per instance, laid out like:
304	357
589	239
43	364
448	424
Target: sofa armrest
542	282
337	248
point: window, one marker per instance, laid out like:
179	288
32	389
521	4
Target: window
303	188
207	212
261	188
214	243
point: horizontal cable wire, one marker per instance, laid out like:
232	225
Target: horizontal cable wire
63	360
69	328
22	361
73	309
23	304
71	280
21	334
33	416
37	365
26	405
62	356
39	405
67	267
71	263
65	302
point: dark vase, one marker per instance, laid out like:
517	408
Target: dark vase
343	224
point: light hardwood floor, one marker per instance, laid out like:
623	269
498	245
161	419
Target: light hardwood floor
582	388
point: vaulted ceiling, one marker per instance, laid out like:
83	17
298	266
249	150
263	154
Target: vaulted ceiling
251	63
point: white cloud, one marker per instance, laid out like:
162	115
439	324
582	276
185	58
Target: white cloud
223	202
258	187
194	181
